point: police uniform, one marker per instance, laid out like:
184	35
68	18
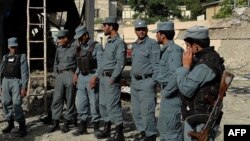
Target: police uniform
87	99
145	60
15	77
169	121
64	68
201	80
112	65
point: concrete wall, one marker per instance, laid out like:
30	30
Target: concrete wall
231	41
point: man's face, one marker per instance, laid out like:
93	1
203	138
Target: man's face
106	29
62	41
193	47
159	37
141	32
13	50
83	39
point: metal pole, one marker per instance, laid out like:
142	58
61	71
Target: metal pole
89	14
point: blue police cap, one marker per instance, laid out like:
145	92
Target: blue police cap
162	26
140	24
12	42
62	33
79	31
197	32
110	19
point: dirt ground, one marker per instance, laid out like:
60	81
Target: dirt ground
236	111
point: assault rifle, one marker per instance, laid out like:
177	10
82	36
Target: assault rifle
203	135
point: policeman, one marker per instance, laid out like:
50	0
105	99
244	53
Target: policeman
199	78
144	68
14	87
86	96
64	68
113	62
169	121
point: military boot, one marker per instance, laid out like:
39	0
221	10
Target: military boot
54	127
96	128
9	127
75	122
65	127
105	133
142	137
22	130
118	136
48	119
82	129
150	138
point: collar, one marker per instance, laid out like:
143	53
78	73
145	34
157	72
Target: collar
138	41
204	51
168	46
113	39
86	45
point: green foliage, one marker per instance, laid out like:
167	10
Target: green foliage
98	21
195	7
226	9
155	10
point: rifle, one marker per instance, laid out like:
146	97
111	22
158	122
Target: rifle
216	110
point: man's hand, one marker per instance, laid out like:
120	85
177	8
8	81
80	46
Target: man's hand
187	58
111	81
23	92
75	78
92	82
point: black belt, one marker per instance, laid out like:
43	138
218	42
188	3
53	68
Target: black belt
107	73
145	76
12	77
66	70
87	73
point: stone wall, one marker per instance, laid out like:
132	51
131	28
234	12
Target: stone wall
230	37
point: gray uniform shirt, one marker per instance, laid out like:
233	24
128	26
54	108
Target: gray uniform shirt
65	58
113	57
171	59
189	81
145	57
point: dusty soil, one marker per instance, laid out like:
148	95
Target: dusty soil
236	111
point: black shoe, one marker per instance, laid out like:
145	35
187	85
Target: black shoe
65	127
150	138
96	128
75	122
145	138
118	136
22	130
54	127
46	120
82	129
105	133
9	127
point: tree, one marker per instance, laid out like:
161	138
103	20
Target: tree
195	7
225	10
120	4
227	7
155	10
